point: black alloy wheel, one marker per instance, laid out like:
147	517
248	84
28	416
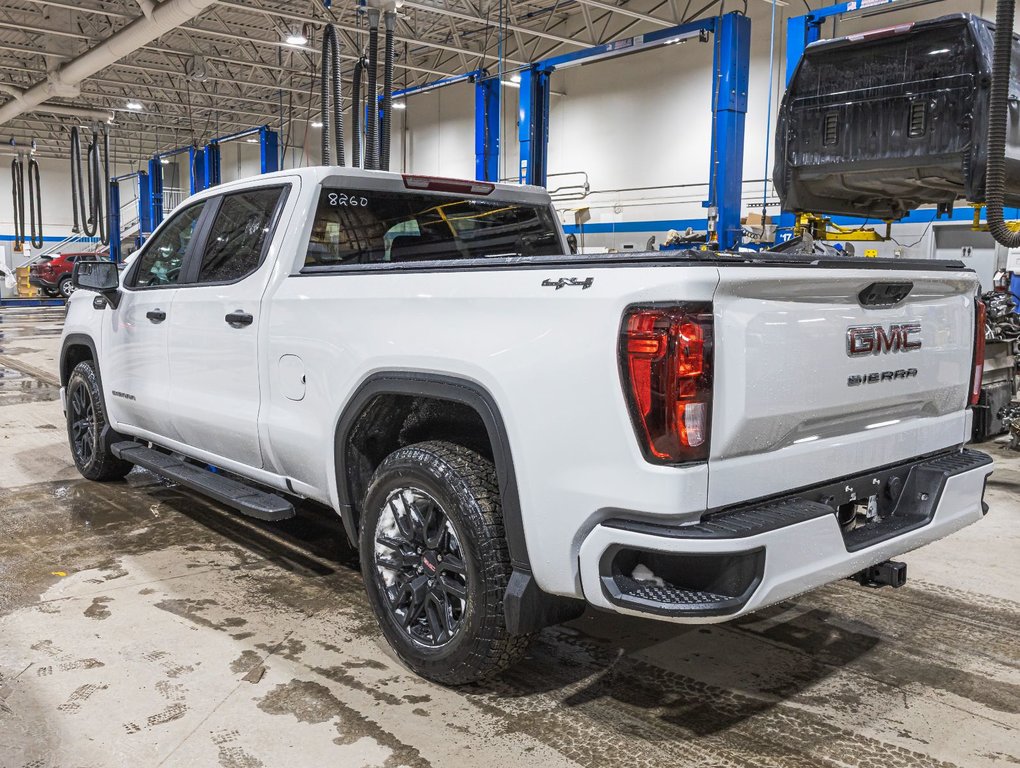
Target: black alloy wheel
82	420
88	431
420	566
436	562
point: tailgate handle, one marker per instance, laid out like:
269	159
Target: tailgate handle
884	294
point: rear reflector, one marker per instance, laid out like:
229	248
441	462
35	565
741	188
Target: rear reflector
666	360
458	186
979	352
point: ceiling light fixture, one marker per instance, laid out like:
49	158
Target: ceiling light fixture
316	123
252	141
399	105
134	105
297	36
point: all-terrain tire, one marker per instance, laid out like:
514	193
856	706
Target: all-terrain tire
88	427
463	485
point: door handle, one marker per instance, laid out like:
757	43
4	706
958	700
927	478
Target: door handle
156	315
239	318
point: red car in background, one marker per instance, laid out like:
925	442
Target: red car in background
52	274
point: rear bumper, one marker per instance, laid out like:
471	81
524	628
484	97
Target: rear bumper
738	560
39	282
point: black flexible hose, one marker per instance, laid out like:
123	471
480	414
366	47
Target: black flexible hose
18	193
371	134
387	102
94	222
329	84
107	193
34	205
356	107
77	190
998	114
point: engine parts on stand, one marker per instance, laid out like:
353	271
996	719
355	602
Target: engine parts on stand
1002	323
1010	416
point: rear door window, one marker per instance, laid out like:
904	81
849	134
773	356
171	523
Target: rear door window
239	235
371	227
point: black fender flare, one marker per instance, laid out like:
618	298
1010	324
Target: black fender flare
526	607
77	340
440	387
109	435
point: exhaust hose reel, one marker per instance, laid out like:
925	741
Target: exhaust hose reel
387	102
329	82
998	115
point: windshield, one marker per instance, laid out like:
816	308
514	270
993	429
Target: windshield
367	227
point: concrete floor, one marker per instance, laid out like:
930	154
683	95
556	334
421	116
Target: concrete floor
141	625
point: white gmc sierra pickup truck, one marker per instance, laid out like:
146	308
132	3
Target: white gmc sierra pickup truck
510	432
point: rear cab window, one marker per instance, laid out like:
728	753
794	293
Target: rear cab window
365	227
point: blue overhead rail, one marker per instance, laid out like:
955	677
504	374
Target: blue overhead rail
487	106
730	68
269	153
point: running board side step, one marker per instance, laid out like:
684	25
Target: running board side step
244	498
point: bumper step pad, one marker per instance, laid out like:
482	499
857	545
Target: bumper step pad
244	498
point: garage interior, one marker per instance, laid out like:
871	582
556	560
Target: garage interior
144	624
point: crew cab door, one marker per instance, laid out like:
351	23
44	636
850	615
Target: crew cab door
214	331
134	362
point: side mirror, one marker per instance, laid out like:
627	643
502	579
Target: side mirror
102	277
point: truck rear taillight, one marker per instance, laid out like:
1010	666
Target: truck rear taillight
666	363
979	352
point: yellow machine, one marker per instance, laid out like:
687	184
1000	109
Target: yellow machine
822	228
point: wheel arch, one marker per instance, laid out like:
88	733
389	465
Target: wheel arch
439	387
75	348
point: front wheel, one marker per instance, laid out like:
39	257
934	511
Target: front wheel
436	564
86	423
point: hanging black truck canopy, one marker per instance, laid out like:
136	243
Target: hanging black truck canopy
880	123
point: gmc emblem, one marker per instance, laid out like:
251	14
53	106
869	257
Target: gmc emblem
864	340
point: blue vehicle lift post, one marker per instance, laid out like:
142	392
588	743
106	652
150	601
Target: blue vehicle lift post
144	203
731	65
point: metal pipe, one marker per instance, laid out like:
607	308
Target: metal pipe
390	20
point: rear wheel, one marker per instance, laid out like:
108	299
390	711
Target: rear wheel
65	287
86	424
51	292
436	563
